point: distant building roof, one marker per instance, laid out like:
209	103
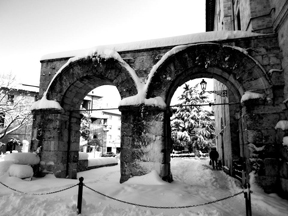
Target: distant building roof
23	87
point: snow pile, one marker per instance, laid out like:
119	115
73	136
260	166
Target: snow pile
43	103
194	183
83	156
151	178
102	161
4	166
20	171
25	158
282	124
140	99
251	95
271	203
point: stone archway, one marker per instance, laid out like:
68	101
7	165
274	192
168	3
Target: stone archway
57	131
145	130
229	65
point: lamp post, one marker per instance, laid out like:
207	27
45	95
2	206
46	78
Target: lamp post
221	93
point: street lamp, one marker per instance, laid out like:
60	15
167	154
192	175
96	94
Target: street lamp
221	93
203	85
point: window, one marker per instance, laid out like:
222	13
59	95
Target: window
238	21
86	104
11	99
2	119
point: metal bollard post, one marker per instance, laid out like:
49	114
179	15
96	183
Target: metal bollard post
247	195
80	193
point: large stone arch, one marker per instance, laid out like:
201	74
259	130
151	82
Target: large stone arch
57	131
229	65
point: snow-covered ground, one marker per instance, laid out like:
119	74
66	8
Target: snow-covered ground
194	183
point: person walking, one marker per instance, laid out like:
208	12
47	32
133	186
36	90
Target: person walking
214	157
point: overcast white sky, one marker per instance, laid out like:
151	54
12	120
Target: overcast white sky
33	28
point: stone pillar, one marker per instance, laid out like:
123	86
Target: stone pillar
143	146
52	134
260	147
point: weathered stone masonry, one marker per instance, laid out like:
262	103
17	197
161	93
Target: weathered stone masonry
241	64
143	147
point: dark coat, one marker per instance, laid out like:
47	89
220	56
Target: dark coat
213	155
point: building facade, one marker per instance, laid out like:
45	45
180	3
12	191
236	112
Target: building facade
267	17
105	124
15	107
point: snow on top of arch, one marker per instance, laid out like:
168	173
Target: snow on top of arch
43	103
104	53
111	51
251	95
160	42
96	53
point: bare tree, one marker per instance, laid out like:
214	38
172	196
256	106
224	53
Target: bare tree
14	105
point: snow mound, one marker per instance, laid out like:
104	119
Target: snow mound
251	95
43	103
151	178
4	166
140	99
102	161
282	124
83	156
20	171
26	158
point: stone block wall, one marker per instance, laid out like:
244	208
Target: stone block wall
282	163
51	133
142	142
48	70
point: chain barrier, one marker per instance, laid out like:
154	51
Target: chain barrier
46	193
164	207
81	184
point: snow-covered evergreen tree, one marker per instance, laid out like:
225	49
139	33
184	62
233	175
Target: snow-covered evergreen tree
192	125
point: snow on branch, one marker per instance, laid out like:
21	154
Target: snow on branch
248	95
282	124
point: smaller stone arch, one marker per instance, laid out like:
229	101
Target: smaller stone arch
83	71
59	128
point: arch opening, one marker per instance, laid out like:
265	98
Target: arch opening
62	129
196	130
231	66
